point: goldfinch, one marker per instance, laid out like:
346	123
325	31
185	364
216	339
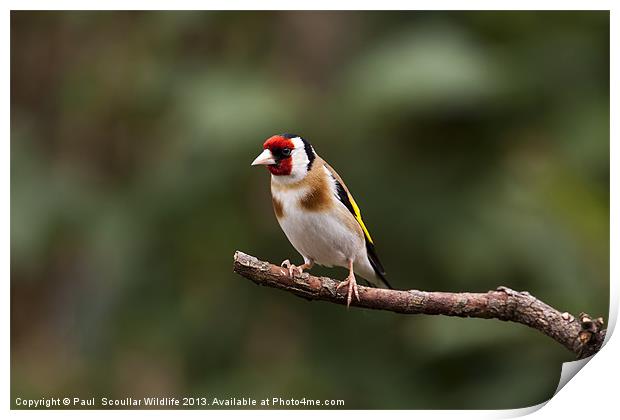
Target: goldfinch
318	214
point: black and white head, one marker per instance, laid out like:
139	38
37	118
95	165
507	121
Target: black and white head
288	157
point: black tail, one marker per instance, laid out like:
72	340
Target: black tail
376	263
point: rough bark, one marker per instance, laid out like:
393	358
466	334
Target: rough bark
581	335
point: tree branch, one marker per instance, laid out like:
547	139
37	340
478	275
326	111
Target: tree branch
583	336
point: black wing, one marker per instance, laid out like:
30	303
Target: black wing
346	199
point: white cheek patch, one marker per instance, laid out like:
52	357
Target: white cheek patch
298	143
299	163
300	159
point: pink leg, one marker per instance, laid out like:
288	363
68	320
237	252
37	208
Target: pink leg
352	285
294	270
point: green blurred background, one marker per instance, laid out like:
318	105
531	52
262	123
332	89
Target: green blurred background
476	144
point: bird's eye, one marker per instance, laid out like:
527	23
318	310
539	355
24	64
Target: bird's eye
286	152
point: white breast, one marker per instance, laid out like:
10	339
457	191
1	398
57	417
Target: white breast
319	235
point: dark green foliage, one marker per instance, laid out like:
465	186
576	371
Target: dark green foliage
475	143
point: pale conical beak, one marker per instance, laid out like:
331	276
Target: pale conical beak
265	158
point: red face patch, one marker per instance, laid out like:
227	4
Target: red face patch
278	146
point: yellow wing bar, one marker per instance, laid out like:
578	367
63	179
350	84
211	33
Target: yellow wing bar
358	216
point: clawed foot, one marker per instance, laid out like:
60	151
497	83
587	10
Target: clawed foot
293	270
352	285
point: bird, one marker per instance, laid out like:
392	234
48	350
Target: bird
318	214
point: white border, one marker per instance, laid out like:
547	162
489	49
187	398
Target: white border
312	5
589	394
